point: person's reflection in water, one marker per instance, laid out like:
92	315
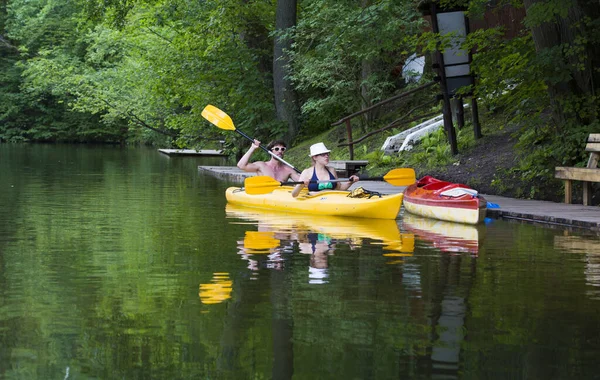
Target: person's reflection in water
247	256
319	247
275	259
269	259
264	249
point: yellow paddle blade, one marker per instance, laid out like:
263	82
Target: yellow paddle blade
260	185
218	117
401	177
217	291
258	242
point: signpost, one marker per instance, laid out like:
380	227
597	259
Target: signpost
452	65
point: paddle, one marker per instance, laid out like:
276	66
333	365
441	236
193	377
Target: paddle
223	121
266	184
260	241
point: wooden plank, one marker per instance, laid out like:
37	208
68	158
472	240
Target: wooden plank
578	174
594	137
593	143
593	160
344	165
578	244
193	152
587	194
592	147
229	173
568	192
349	167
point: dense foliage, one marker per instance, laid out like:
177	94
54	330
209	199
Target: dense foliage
147	68
143	70
544	81
347	55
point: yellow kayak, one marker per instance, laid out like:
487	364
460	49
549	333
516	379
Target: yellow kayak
281	224
334	203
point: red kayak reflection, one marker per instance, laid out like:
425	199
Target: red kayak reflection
445	236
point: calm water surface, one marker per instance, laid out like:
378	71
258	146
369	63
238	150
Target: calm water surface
123	263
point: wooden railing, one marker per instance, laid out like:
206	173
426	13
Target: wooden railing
347	119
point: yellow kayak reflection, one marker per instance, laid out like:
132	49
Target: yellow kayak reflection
260	242
445	236
279	224
217	291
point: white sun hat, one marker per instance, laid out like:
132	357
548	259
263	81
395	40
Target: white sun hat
318	275
318	148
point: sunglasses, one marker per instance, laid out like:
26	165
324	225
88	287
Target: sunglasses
277	149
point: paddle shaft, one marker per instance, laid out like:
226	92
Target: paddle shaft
223	121
266	184
291	183
269	152
360	178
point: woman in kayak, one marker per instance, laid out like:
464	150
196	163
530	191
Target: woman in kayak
319	171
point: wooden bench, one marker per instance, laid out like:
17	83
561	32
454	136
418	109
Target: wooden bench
589	174
348	168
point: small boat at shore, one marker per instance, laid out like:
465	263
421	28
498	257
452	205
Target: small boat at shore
332	203
437	199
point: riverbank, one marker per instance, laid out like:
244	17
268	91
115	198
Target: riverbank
532	211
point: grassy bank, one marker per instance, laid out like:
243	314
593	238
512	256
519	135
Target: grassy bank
492	164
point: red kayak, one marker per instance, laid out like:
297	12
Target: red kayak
437	199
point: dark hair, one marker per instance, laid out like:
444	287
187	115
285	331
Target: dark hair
276	142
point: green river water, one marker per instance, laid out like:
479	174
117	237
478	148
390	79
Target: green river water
123	263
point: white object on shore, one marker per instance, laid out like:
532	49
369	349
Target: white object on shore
406	139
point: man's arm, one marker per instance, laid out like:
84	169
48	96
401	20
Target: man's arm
244	164
295	176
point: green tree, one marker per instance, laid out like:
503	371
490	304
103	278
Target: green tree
39	28
154	65
346	55
286	99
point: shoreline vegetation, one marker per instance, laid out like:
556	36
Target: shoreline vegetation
141	72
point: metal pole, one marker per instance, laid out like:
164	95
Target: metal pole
446	110
475	116
474	107
460	113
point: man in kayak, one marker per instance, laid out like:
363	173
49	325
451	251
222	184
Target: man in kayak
272	168
319	171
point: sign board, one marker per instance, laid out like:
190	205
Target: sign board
456	59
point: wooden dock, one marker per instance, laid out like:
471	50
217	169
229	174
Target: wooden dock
346	168
193	152
550	213
228	173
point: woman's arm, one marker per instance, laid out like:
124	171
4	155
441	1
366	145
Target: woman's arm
304	177
346	185
342	185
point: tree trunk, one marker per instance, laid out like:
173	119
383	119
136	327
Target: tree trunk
566	31
286	100
367	68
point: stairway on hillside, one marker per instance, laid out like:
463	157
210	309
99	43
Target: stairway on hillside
406	139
